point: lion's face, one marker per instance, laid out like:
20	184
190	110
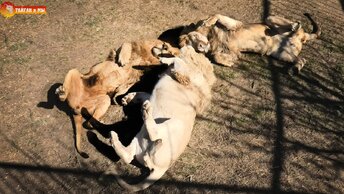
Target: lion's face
9	8
195	39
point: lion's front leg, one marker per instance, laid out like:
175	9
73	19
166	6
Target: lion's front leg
176	71
124	54
298	65
135	97
291	57
164	50
225	59
227	22
180	78
149	122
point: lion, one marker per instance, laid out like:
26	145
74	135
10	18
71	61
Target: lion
169	114
224	38
108	79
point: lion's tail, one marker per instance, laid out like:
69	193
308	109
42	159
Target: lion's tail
316	29
154	175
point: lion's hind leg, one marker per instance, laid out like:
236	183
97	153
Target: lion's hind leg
72	81
98	106
281	24
152	149
60	91
125	153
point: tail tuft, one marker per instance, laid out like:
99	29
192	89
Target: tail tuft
316	29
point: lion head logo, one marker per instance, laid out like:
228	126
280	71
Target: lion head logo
7	9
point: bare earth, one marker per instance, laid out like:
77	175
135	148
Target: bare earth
265	131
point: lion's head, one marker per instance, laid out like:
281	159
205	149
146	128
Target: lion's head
195	39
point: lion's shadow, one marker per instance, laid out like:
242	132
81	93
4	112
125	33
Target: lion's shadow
53	101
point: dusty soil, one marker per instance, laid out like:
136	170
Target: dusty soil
265	131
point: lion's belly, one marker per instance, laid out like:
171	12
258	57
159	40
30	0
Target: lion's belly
251	40
171	99
249	46
253	45
177	137
174	108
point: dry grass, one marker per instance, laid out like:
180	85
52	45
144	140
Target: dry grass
265	132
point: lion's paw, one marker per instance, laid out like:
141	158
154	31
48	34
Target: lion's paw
180	78
296	26
113	138
300	64
296	69
238	25
128	98
122	61
146	109
60	91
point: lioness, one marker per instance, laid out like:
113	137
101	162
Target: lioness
94	90
168	114
227	37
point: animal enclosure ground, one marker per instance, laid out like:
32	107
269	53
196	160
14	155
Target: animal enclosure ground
264	132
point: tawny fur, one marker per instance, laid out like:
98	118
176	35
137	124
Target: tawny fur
227	38
94	90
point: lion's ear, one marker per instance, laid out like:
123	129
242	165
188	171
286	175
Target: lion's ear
111	56
184	40
305	38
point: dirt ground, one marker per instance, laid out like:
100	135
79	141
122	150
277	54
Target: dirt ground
265	131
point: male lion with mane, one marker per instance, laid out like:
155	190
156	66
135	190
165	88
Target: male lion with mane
224	38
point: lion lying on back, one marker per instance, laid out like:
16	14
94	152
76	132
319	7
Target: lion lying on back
168	114
94	90
224	38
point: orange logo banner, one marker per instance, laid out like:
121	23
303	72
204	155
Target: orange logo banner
8	9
